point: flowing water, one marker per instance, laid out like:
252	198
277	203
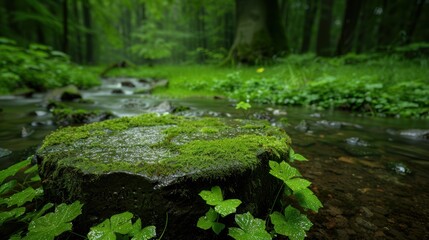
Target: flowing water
371	174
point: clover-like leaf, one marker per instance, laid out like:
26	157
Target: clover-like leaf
12	170
6	187
283	171
26	195
53	224
308	200
209	221
118	223
14	213
292	224
250	228
297	184
145	233
213	197
227	207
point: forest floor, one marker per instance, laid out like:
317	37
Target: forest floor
373	86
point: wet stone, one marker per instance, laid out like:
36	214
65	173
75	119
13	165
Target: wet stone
366	224
155	165
399	168
4	152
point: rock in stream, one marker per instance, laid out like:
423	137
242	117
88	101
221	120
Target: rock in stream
155	166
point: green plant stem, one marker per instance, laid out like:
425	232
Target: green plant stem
274	203
165	226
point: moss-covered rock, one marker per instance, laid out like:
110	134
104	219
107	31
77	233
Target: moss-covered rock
156	165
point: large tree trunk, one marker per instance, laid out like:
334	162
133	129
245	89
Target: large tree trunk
87	21
310	15
323	47
65	26
351	17
259	35
414	19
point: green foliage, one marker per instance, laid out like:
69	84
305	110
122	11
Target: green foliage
250	228
243	105
292	223
209	220
12	170
38	67
121	224
53	224
215	198
26	195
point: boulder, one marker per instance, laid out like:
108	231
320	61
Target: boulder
155	166
69	116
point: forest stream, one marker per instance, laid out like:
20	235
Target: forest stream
371	174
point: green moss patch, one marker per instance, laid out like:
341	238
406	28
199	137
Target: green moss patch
160	147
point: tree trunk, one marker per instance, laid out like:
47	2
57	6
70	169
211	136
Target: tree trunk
259	35
351	17
78	45
414	19
65	26
87	21
323	47
310	15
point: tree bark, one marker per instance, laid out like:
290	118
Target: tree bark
65	26
259	33
323	47
87	21
414	19
310	15
351	17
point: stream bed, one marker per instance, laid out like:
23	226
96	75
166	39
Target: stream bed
371	174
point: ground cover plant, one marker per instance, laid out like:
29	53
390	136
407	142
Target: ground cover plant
39	68
377	85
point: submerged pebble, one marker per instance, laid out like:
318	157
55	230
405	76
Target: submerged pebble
399	168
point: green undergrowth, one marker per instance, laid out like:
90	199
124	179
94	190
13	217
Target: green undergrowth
38	68
196	146
373	84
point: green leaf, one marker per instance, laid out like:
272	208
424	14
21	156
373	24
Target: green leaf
53	224
292	224
12	170
308	200
209	221
213	197
146	233
299	157
102	231
227	207
26	195
121	223
137	226
4	188
297	184
206	222
118	223
32	169
250	228
14	213
283	171
37	214
243	105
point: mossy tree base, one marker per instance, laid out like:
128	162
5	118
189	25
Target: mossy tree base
155	166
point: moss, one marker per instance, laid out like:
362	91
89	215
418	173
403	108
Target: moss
164	146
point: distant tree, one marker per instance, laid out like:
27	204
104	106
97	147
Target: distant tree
259	33
89	39
413	20
323	47
348	31
310	16
65	46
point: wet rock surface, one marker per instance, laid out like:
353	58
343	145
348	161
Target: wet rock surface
155	166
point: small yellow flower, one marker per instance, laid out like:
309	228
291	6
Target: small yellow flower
260	70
